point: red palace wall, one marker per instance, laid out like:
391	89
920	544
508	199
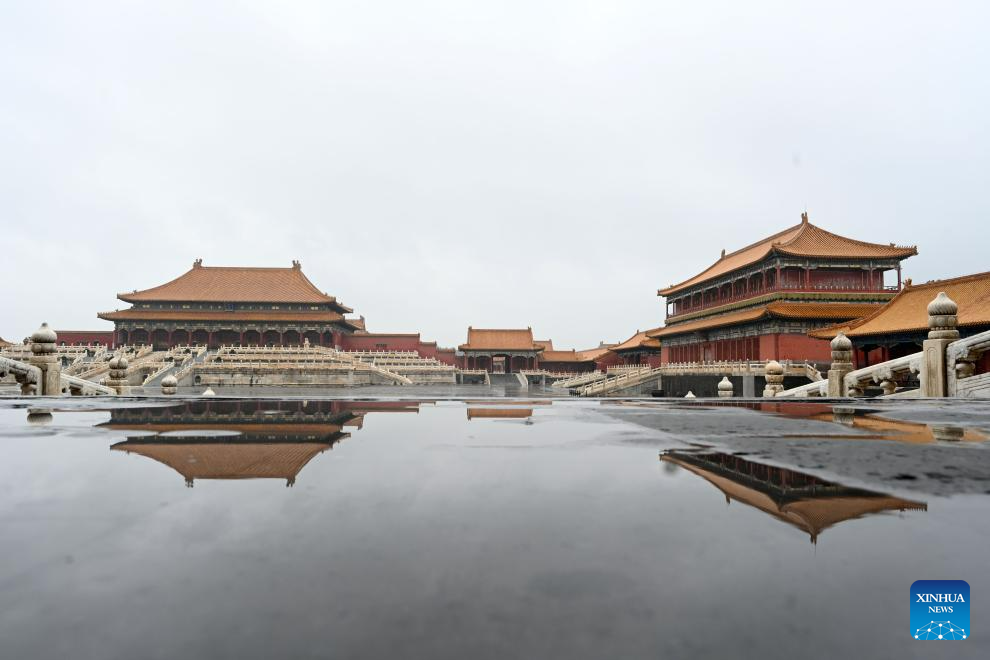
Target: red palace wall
396	342
794	347
765	347
446	355
84	337
380	342
608	360
567	366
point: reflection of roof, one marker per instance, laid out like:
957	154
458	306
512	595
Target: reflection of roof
499	413
206	315
245	427
489	339
803	240
908	310
809	512
785	310
237	284
899	430
228	460
639	341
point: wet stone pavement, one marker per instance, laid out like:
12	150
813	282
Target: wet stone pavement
486	527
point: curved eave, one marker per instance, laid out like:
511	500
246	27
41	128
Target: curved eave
896	252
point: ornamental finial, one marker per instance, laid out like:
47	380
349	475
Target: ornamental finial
804	218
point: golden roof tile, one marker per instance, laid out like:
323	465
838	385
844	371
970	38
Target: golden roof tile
236	284
493	339
220	315
908	310
639	341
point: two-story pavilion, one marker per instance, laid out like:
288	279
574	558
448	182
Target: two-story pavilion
215	305
760	302
500	350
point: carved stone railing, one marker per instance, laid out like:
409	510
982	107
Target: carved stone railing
27	375
736	368
886	374
961	358
580	379
817	388
81	386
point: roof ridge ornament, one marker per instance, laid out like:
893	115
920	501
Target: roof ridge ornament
804	218
296	265
198	263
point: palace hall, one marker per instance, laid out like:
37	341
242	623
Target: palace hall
760	302
215	305
501	350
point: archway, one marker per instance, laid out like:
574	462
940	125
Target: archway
272	338
123	336
200	337
227	337
313	337
139	336
327	338
252	337
291	338
159	339
180	337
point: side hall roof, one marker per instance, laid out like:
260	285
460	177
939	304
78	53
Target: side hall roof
639	341
801	240
908	310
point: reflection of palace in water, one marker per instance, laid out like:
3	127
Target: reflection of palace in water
484	409
801	500
230	439
873	425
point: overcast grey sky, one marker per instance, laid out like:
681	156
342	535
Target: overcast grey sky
440	164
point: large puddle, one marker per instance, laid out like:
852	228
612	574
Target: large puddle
485	528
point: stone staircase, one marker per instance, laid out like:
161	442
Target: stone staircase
622	381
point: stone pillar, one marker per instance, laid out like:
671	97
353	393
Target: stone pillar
774	375
725	387
43	356
941	332
841	365
118	374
